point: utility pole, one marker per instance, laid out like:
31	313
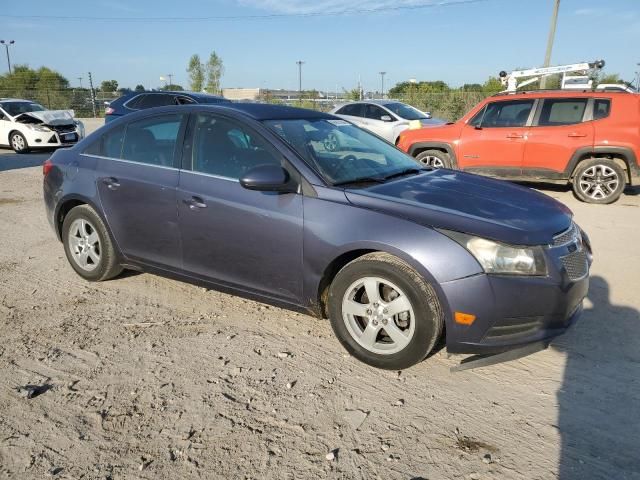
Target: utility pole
170	75
6	46
299	63
93	96
382	74
552	35
80	80
638	77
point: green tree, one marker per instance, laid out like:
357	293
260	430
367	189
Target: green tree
139	88
196	75
492	85
109	86
173	87
214	70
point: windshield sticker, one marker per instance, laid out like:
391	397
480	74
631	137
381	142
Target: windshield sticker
339	123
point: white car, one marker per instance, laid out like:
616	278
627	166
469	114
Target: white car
385	118
26	125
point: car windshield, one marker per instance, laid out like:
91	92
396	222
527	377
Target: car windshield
405	111
16	108
343	153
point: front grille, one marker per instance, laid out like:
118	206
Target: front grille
576	264
567	236
63	128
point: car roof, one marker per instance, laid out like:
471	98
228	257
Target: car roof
16	100
567	93
374	101
174	92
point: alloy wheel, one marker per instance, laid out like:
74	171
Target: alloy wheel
433	161
84	244
17	142
378	315
599	182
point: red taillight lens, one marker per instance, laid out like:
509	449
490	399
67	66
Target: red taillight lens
46	167
109	110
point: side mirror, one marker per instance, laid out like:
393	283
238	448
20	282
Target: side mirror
268	178
386	118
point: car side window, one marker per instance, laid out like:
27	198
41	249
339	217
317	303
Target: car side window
601	108
476	121
109	144
374	112
135	102
562	111
156	100
225	148
507	114
181	100
353	110
152	140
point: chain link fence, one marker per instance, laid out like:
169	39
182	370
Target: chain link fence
77	99
449	106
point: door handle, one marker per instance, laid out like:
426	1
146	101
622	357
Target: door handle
111	183
515	135
195	203
576	135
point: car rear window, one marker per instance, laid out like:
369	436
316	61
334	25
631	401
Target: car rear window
152	140
135	101
601	108
354	110
562	111
156	100
109	144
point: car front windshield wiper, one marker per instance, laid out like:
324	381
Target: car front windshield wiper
360	180
402	173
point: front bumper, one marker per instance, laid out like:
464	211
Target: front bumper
50	139
514	311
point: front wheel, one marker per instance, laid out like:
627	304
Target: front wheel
88	246
18	142
383	312
599	180
434	158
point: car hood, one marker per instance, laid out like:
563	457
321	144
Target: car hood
471	204
48	117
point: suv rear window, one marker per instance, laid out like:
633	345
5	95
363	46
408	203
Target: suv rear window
601	108
562	111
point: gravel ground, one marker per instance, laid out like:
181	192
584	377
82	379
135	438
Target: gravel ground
144	377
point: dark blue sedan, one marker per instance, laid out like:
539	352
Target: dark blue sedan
132	102
248	199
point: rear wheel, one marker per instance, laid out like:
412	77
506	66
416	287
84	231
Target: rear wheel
18	142
434	158
599	180
87	244
383	312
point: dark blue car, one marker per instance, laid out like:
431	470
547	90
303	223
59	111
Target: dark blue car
132	102
247	198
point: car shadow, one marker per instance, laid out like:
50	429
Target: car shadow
599	400
13	161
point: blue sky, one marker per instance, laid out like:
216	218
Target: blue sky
457	43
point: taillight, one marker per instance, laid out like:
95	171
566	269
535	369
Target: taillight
47	166
109	110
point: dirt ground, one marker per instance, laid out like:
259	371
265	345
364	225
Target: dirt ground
144	377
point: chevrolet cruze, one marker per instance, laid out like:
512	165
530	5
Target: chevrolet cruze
248	199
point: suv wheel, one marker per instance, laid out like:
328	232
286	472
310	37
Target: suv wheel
88	246
18	142
383	312
434	158
599	180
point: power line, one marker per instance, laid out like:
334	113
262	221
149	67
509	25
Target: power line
441	3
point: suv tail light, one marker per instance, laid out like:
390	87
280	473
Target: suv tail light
109	110
47	166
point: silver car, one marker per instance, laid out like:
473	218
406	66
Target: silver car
386	118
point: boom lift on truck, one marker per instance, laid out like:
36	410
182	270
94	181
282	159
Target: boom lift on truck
510	80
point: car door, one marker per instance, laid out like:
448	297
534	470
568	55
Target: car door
137	179
374	121
493	140
243	238
561	126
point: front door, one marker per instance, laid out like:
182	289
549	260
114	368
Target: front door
137	181
493	141
247	239
557	133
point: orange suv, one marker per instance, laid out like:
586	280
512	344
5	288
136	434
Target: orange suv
588	139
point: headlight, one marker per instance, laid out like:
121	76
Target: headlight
80	127
37	128
495	257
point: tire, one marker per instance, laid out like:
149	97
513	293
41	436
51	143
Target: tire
434	158
599	180
18	142
369	330
83	232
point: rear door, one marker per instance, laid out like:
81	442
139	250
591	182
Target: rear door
137	181
493	140
560	127
247	239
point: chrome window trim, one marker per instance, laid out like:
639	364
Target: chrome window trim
127	161
220	177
